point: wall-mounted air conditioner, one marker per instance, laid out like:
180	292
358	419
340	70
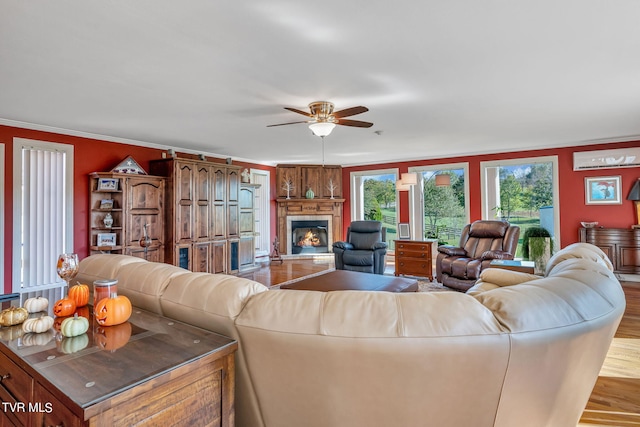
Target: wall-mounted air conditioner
607	159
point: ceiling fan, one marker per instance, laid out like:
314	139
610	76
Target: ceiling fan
324	119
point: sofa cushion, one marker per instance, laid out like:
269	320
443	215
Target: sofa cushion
572	294
579	250
358	258
493	278
145	283
103	266
210	301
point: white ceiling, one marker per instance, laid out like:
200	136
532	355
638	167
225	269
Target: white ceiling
440	78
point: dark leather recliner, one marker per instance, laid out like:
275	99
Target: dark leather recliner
364	249
480	242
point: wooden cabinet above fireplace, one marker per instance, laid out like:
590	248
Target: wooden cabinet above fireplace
319	178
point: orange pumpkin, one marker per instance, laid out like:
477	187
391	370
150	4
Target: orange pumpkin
113	310
80	294
112	338
64	307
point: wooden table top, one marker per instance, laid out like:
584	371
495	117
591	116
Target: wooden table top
108	360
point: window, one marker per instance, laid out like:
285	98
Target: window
43	211
439	204
523	192
373	197
262	217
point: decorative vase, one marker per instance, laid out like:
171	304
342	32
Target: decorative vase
108	220
145	240
310	194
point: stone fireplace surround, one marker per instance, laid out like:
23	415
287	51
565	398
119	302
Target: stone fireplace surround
305	210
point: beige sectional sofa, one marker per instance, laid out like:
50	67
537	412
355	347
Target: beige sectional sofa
517	350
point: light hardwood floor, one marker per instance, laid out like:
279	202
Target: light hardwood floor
615	400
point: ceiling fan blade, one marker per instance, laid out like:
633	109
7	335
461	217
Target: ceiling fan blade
355	123
295	110
290	123
350	112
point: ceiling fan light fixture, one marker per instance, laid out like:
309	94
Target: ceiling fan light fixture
322	129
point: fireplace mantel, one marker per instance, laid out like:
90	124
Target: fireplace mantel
296	207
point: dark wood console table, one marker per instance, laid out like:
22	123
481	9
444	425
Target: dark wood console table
151	371
622	246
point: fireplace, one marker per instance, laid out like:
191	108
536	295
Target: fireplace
309	234
309	237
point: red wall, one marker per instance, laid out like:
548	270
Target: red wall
572	198
90	155
96	155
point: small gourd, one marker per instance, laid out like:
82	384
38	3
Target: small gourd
70	345
112	311
79	294
38	324
36	304
13	316
74	326
64	307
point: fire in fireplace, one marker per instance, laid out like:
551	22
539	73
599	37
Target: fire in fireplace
309	237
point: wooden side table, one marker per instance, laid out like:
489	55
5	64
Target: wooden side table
414	258
151	370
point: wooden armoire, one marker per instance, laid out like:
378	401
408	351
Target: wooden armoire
202	214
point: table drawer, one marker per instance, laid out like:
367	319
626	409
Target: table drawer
411	253
15	387
418	267
53	412
413	246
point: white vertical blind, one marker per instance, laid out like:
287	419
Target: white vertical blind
2	202
262	212
44	212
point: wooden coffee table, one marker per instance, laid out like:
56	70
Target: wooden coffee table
344	280
150	371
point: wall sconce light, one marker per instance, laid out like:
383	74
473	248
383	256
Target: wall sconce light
634	195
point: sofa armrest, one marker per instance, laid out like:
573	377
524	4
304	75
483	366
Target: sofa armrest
496	255
501	277
379	245
452	250
343	246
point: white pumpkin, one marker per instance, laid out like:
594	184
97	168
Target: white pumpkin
36	304
38	324
30	339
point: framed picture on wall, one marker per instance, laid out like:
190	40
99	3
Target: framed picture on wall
603	190
404	233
